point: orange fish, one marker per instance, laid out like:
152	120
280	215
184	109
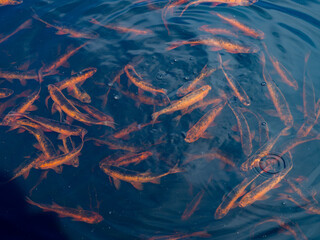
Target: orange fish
177	236
5	92
68	146
218	2
12	101
245	134
184	102
282	71
64	30
10	2
79	93
192	206
202	105
123	133
216	44
126	159
77	214
235	86
115	144
277	97
247	30
215	154
26	24
122	29
21	76
185	89
298	190
133	177
61	60
217	31
201	126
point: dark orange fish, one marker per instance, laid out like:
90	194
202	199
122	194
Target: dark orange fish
77	214
217	31
122	29
216	44
277	97
61	60
76	79
185	89
235	86
201	126
80	94
26	24
245	29
192	206
68	146
10	2
12	101
282	71
218	2
184	102
5	92
65	30
126	159
245	134
202	105
21	76
177	236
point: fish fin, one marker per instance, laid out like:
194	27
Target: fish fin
37	146
137	185
47	101
271	112
62	149
32	108
66	65
58	169
264	197
235	128
236	138
206	135
215	49
116	183
60	32
61	136
75	162
140	91
26	174
69	120
155	181
20	130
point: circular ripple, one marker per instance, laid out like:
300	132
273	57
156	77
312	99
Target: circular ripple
271	164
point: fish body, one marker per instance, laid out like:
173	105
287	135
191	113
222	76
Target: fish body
217	31
77	214
26	24
127	159
5	92
79	93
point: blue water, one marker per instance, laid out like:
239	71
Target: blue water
291	30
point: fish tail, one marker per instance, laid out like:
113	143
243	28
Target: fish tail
155	117
28	200
176	168
109	124
175	45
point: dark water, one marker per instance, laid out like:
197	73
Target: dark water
291	30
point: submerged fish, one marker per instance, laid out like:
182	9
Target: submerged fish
5	92
26	24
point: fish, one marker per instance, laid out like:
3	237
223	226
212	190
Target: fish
61	60
5	92
201	126
298	190
123	133
75	79
282	71
122	29
259	191
67	107
218	2
216	44
21	76
277	97
184	102
217	31
238	91
192	206
25	25
12	101
115	144
126	159
80	94
177	236
62	30
245	29
77	214
68	146
244	129
133	177
202	105
190	86
213	154
136	79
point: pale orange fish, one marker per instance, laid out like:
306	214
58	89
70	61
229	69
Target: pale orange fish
216	44
5	92
277	97
282	71
26	24
192	206
217	31
184	102
66	30
178	236
247	30
123	133
218	2
202	105
122	29
10	2
126	159
213	154
235	86
201	126
245	134
77	214
303	194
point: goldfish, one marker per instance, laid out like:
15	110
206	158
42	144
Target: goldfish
67	107
201	126
122	29
192	206
247	30
26	24
202	105
282	71
216	44
298	190
127	159
67	31
217	2
5	92
245	134
217	31
61	60
260	190
76	79
76	214
133	177
236	87
192	85
184	102
79	93
277	97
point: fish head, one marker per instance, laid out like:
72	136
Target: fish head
85	98
248	2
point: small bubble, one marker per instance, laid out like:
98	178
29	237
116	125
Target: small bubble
263	83
186	78
110	212
191	58
175	60
110	84
116	97
159	76
263	123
